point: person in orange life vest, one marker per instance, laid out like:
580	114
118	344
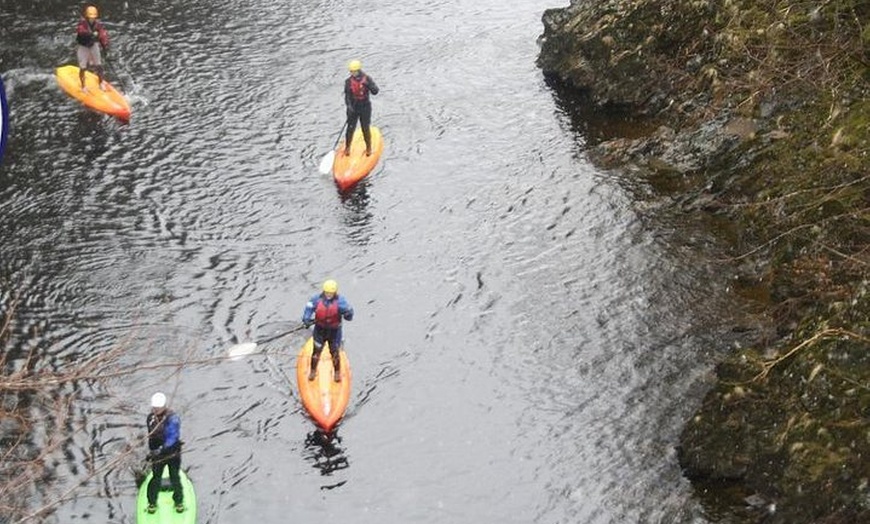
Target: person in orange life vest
325	311
357	88
164	433
91	36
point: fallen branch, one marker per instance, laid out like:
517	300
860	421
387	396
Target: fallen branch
768	365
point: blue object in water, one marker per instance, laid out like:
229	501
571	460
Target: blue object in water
4	119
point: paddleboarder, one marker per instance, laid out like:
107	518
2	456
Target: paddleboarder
91	37
326	311
357	89
164	433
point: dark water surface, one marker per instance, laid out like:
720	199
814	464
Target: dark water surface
525	347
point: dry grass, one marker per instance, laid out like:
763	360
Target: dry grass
36	408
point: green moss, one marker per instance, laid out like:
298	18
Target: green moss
806	216
788	416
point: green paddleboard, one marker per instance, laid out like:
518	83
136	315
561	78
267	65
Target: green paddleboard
166	513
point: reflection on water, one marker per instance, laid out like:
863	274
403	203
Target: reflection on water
95	129
594	124
356	215
325	450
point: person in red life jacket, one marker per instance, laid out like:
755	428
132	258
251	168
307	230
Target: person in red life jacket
357	88
164	433
325	311
91	36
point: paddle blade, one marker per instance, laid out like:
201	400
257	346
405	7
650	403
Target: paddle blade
326	163
241	350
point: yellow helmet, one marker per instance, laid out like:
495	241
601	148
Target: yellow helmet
330	286
354	65
91	12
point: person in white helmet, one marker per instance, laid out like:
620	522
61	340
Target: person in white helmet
164	444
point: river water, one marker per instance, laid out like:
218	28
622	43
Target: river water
526	344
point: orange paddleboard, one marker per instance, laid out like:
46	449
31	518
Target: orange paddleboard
350	169
325	399
110	101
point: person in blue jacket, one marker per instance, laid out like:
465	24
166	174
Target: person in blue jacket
326	311
164	434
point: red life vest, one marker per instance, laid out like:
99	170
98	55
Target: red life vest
326	314
85	33
359	88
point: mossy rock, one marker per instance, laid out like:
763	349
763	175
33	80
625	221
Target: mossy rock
794	191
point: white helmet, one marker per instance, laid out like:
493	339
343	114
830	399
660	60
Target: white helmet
158	400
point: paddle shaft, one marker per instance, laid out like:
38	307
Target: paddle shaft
338	138
328	159
114	71
294	330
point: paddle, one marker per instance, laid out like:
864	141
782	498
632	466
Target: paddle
329	158
247	348
114	71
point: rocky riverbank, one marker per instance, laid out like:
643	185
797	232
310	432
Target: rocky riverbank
756	115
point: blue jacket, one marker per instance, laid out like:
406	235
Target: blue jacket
171	432
344	308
